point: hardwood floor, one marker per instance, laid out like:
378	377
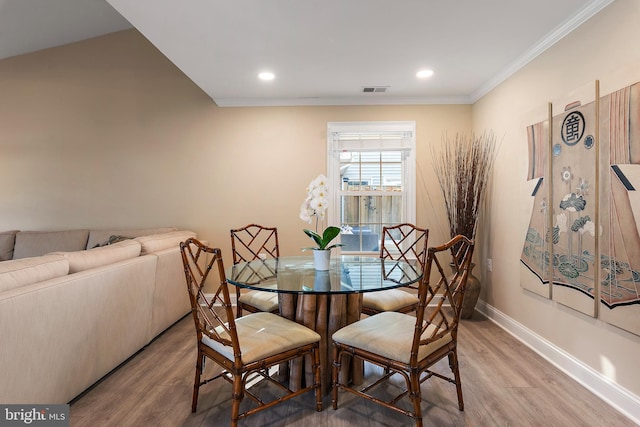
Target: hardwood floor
504	384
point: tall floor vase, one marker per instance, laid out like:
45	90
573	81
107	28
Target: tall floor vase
471	295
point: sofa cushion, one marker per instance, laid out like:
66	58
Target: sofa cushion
158	242
7	240
36	243
92	258
101	237
25	271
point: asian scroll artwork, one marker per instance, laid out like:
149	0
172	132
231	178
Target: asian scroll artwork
582	246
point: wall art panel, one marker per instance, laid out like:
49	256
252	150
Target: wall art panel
534	266
574	199
620	202
583	235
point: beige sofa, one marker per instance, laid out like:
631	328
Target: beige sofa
69	316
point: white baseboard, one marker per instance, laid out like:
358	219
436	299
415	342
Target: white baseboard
618	397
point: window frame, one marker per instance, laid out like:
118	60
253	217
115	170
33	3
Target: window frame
408	145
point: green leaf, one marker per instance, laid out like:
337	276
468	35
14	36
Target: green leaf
314	236
329	234
323	241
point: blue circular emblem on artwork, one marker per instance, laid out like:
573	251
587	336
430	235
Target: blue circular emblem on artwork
572	128
557	149
589	142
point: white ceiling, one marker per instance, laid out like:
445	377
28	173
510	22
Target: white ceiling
30	25
323	52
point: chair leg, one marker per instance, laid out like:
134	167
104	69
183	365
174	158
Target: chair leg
335	370
196	383
416	397
237	398
453	362
316	379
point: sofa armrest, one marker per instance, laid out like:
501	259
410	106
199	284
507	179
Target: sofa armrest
170	296
158	242
21	272
103	255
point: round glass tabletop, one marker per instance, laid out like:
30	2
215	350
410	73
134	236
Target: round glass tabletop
346	274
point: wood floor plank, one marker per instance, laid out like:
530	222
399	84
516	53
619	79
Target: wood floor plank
504	384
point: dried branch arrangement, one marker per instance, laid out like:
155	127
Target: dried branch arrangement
463	167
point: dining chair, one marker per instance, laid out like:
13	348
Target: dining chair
410	345
245	348
404	242
250	243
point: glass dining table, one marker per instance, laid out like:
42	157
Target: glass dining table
324	301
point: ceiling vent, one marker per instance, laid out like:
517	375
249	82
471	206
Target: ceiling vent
375	89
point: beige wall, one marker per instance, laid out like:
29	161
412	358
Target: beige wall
599	49
108	133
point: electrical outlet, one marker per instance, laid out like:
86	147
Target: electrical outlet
489	264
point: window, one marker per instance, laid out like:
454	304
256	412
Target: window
371	176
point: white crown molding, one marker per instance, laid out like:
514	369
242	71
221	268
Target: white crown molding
373	99
618	397
587	12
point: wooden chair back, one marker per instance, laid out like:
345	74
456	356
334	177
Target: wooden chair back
249	243
405	242
253	242
198	261
441	292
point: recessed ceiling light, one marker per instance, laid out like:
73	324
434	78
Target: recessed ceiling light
423	74
266	76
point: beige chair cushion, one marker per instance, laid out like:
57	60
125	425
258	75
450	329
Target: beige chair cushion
263	301
262	335
388	334
389	300
97	257
25	271
158	242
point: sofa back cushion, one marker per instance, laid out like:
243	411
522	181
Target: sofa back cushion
7	240
36	243
97	257
101	237
25	271
158	242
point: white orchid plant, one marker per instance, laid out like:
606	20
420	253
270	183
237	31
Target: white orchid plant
315	205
